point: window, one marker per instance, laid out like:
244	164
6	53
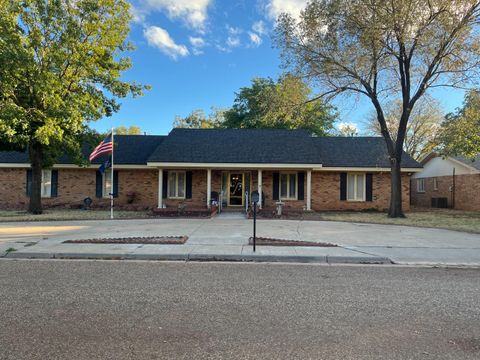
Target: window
176	184
107	183
356	187
421	185
288	186
435	184
46	183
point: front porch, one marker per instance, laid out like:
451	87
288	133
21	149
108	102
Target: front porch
230	188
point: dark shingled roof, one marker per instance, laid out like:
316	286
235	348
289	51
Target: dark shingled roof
128	150
470	162
264	146
357	152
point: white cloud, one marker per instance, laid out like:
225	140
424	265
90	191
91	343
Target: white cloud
138	14
293	7
160	38
197	43
233	41
255	39
234	30
193	12
259	27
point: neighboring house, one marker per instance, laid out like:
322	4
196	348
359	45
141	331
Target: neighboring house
193	167
452	182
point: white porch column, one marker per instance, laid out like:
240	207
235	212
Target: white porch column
209	187
260	187
309	190
160	188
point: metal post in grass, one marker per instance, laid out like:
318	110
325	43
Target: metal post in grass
255	198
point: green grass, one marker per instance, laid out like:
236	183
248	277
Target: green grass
58	215
468	221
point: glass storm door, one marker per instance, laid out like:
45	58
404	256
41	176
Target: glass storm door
235	194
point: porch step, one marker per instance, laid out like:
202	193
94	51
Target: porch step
233	210
232	215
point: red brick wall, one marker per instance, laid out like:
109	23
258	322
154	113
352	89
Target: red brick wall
467	192
76	184
326	193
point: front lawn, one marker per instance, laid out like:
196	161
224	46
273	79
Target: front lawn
434	218
57	215
468	221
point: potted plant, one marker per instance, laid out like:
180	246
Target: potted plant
131	195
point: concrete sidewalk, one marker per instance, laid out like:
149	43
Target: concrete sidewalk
227	239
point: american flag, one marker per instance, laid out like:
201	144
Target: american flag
104	147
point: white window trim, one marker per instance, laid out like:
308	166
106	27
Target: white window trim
355	187
288	198
421	189
435	184
46	177
176	172
106	174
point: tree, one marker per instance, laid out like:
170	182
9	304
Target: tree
460	132
423	127
60	65
384	50
198	120
347	129
284	104
132	130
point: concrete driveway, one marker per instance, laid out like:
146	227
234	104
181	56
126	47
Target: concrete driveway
406	245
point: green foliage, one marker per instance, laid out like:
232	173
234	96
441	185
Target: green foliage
460	133
384	51
132	130
198	120
60	67
284	104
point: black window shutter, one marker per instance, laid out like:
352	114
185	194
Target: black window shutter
343	186
99	184
29	182
369	187
188	184
276	184
54	185
301	180
115	183
164	185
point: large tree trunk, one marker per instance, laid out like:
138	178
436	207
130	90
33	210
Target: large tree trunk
396	189
36	160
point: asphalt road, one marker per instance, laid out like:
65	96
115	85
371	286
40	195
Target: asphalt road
153	310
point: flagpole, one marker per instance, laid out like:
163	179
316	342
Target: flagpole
112	188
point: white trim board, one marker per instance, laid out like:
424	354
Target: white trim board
226	166
314	167
246	166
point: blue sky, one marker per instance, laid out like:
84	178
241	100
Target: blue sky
197	53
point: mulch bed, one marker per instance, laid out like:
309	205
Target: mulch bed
186	213
282	242
157	240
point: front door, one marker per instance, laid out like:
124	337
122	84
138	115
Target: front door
235	194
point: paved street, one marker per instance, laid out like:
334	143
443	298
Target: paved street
150	310
228	237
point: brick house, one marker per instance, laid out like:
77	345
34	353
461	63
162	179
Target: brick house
195	168
452	182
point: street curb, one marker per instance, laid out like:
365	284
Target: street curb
206	257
